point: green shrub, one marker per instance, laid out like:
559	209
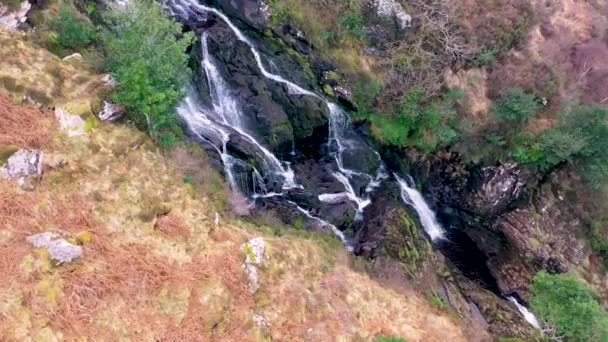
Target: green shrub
354	22
515	106
569	306
73	31
150	65
426	126
389	339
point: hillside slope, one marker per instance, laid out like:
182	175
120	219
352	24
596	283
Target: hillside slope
159	262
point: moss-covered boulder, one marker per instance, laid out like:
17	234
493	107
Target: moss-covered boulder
389	230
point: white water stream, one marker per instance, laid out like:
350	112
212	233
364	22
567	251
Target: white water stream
230	112
217	125
412	197
527	314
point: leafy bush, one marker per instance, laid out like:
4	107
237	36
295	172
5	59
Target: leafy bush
354	22
150	65
515	106
73	31
417	124
569	306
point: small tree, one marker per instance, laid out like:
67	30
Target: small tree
73	31
568	305
145	51
515	107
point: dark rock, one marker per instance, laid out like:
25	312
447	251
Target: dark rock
387	229
252	12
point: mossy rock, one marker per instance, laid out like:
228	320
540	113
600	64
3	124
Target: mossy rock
404	241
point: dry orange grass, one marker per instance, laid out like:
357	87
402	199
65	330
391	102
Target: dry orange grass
24	126
172	226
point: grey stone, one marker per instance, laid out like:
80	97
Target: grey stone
60	250
24	165
254	250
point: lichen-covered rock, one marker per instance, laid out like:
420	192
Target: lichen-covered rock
74	125
393	9
12	19
60	250
24	166
254	251
111	112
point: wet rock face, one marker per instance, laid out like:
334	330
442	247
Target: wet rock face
278	118
521	226
254	13
494	188
388	230
544	231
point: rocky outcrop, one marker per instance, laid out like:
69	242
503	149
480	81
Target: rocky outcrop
111	112
276	116
254	13
254	252
11	19
521	224
393	9
388	230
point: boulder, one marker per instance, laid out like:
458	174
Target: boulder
254	252
11	19
25	166
74	125
393	9
111	112
60	250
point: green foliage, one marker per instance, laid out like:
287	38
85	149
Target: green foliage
437	302
389	339
516	106
581	137
74	32
417	124
364	95
281	12
486	57
354	22
569	306
150	65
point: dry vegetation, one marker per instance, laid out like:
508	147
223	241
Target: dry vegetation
156	266
175	276
24	126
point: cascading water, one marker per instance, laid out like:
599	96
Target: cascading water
216	126
412	197
528	316
338	119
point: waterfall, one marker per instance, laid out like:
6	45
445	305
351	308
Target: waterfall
528	316
412	197
338	119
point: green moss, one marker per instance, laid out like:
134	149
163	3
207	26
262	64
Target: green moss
404	240
6	152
